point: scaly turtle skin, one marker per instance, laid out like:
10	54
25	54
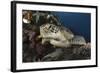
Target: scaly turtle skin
57	35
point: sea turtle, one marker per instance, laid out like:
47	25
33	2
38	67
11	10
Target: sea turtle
53	34
59	36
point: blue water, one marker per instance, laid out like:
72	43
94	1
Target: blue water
78	23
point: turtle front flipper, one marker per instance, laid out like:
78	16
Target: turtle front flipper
59	43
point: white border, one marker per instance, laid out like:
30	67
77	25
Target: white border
37	65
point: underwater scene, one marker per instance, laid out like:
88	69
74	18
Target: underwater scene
55	36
